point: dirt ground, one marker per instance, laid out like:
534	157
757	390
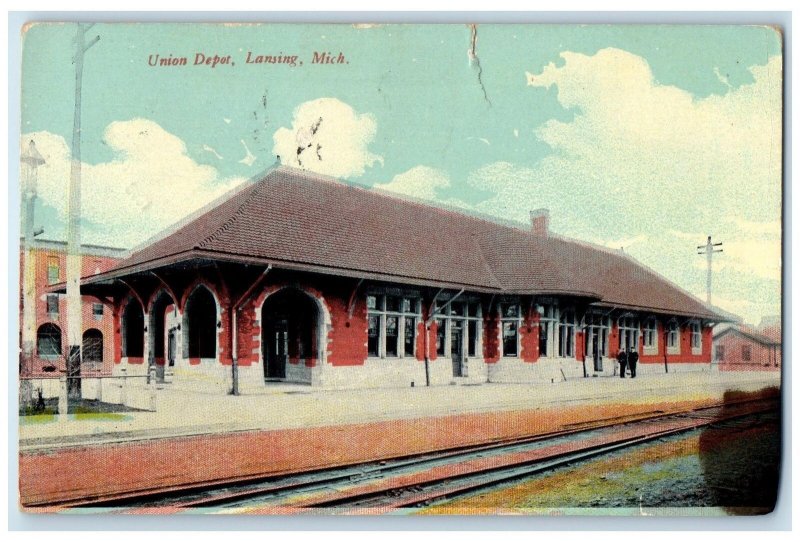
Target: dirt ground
735	469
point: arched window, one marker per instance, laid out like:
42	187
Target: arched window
48	340
201	324
133	330
92	350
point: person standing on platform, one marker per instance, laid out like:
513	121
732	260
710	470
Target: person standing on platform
633	359
622	358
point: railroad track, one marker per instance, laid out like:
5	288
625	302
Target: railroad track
421	479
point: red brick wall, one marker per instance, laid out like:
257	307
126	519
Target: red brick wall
580	350
105	324
761	358
346	339
491	332
529	337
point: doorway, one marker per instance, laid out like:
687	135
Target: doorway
289	335
278	337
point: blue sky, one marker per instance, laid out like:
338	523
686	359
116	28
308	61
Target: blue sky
642	137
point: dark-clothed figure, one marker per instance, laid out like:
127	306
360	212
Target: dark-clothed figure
622	358
633	359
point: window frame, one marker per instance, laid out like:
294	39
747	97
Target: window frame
518	320
696	336
625	325
548	321
445	321
53	264
673	337
564	327
53	331
603	324
650	335
53	299
382	314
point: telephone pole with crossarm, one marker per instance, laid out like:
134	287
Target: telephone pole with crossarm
709	250
74	314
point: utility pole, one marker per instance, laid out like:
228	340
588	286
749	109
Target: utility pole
709	250
31	160
74	260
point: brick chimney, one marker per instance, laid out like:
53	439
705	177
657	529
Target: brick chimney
540	222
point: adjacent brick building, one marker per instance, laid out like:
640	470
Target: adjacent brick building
301	278
749	348
50	307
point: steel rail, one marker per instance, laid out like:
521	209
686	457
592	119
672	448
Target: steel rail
444	488
333	477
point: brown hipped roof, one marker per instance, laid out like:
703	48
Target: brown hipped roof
299	220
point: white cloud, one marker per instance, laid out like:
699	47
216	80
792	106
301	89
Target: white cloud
750	248
642	158
149	184
327	136
716	153
419	182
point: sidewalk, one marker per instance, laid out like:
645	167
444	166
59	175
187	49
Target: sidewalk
286	406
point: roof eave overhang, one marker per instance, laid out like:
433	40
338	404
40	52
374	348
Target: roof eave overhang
199	254
666	311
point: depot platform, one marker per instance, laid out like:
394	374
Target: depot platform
287	406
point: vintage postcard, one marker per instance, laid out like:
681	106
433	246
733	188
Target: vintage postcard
400	269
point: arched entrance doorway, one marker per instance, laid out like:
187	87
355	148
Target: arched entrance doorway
200	325
290	320
133	330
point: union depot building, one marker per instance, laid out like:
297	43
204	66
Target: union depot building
304	279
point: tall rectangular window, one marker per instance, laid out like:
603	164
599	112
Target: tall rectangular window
410	336
697	336
472	331
53	270
747	352
547	325
720	352
52	304
392	326
97	309
392	332
650	333
628	333
566	335
598	328
441	335
510	319
672	335
373	336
